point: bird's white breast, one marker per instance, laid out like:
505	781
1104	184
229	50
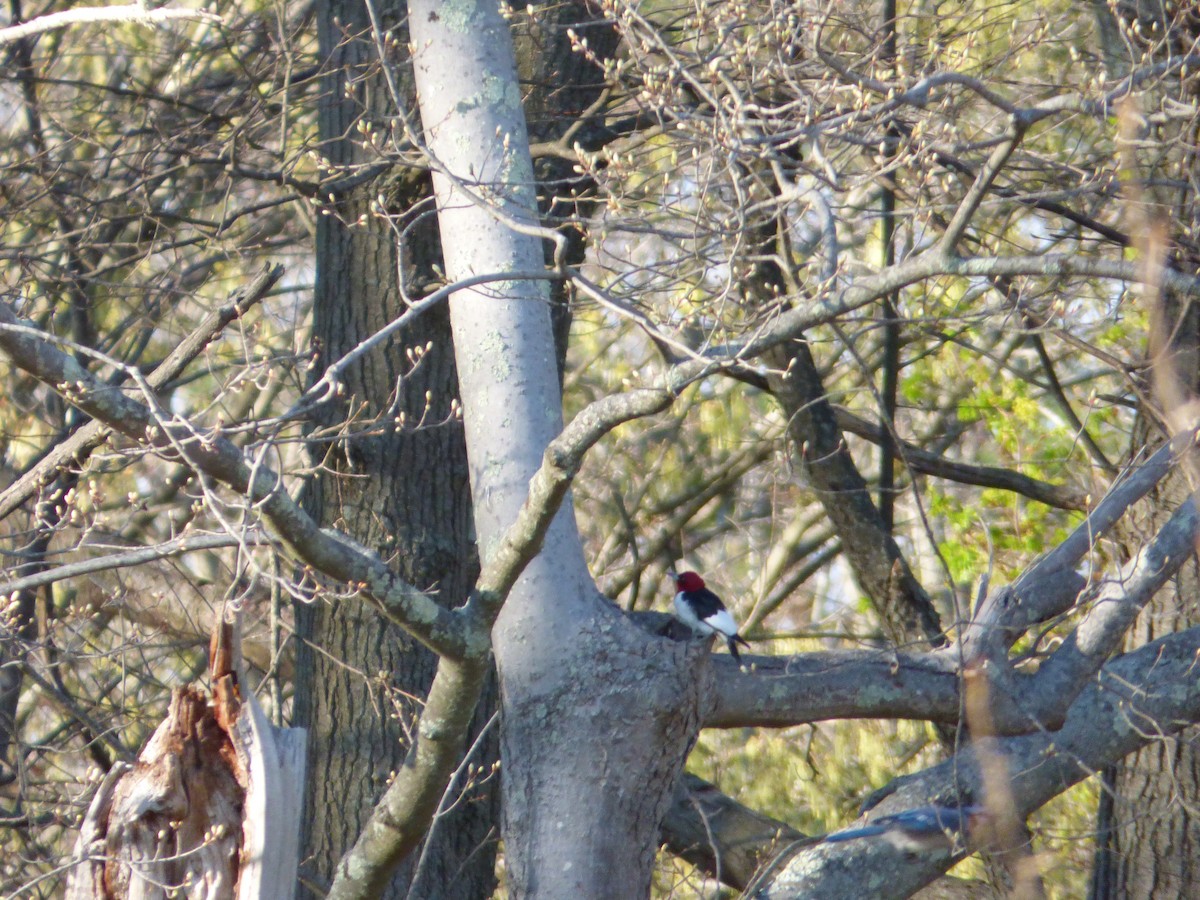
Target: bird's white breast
688	617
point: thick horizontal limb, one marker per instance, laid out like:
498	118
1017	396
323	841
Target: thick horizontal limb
1142	696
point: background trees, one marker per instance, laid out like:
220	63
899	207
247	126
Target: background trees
764	323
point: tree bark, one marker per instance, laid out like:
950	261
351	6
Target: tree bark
1148	842
1148	830
357	674
597	714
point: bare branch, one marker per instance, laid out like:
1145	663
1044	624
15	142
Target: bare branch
548	488
905	608
135	13
326	551
925	463
980	187
137	557
828	305
329	382
1050	586
79	445
1143	696
1044	697
401	817
779	691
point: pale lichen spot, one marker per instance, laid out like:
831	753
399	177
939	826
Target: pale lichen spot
423	611
465	146
458	15
74	373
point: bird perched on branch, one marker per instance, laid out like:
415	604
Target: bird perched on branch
926	828
703	612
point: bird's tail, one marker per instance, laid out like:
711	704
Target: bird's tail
733	640
851	834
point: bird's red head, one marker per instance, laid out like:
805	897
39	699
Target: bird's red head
688	581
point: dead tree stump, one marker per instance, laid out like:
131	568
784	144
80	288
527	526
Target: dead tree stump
211	808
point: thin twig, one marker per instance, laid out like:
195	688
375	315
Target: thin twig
76	448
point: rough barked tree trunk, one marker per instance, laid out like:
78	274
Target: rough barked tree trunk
427	519
1148	842
1148	845
597	715
400	488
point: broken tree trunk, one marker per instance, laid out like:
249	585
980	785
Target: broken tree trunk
210	809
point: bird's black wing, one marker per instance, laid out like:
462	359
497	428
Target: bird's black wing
705	603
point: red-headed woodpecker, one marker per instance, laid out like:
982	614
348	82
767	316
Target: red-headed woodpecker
703	612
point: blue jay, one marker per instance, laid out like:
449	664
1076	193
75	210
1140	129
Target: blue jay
927	828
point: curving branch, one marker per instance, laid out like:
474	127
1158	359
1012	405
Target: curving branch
923	462
1146	695
326	551
88	437
134	13
549	486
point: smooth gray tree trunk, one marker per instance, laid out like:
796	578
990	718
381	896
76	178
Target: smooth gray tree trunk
597	715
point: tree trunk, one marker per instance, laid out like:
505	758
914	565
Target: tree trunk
1148	830
430	520
597	714
358	675
1149	833
591	756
